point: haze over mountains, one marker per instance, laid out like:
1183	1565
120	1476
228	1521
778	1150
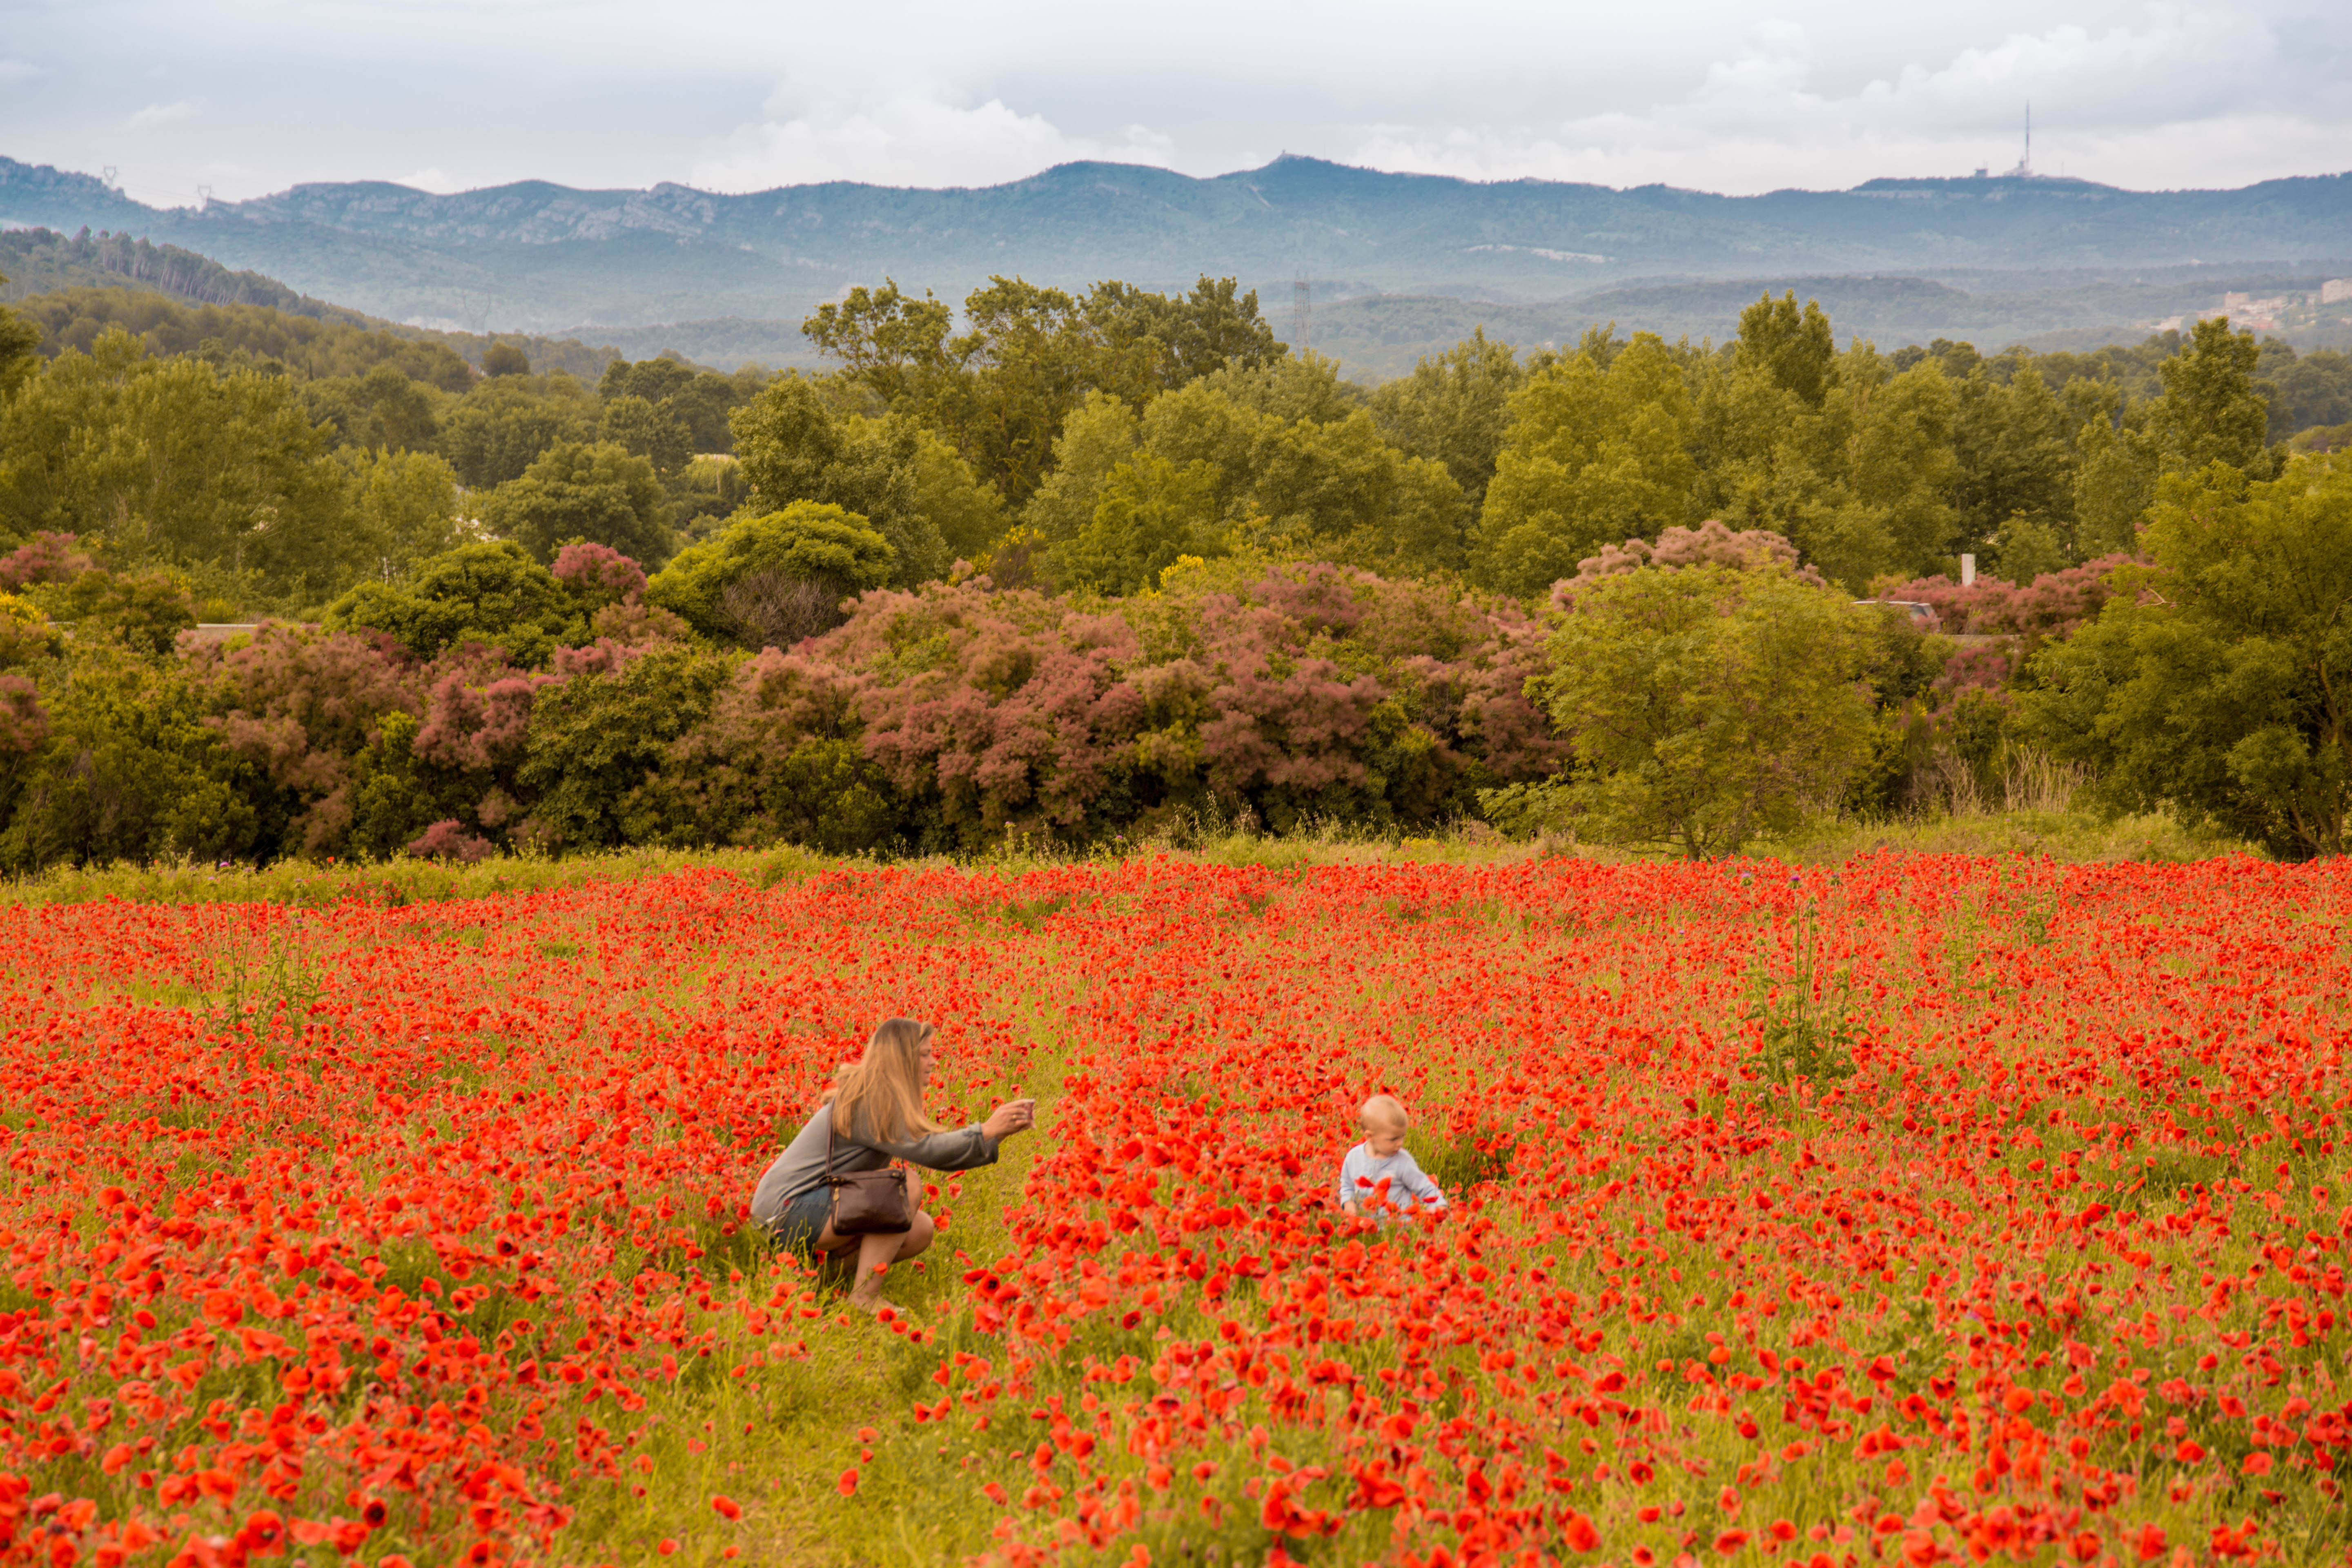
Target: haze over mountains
1399	263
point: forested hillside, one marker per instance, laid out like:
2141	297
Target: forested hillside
548	258
1065	563
86	283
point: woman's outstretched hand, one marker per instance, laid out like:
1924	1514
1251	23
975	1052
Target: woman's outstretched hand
1012	1116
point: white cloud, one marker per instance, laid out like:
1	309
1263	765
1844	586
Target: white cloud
912	138
156	114
1713	94
2175	103
433	180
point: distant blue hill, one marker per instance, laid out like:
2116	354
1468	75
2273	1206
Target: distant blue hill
744	269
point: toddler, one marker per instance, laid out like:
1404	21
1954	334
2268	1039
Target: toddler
1381	1157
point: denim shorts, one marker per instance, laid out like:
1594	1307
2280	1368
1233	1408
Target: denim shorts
802	1219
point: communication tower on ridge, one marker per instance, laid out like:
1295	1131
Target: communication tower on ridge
2024	170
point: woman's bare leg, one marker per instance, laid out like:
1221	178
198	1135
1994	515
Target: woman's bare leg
877	1253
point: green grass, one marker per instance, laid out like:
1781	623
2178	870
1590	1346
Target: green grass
2072	835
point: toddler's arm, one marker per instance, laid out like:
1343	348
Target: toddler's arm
1412	1179
1351	1197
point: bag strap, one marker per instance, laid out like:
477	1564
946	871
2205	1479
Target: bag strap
831	1125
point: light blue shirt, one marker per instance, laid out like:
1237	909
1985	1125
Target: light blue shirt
1361	1173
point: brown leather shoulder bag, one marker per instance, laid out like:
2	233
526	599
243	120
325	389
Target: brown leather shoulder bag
866	1203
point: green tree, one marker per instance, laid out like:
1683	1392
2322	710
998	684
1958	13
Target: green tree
2016	446
1096	438
1593	456
648	430
598	742
174	462
1029	359
1708	706
1794	347
807	541
2313	389
968	516
890	342
493	593
601	493
794	447
1202	422
2217	684
1150	512
2114	474
499	428
142	611
1147	343
1860	482
1455	407
1302	387
405	505
240	336
1336	490
28	635
504	359
1884	451
697	403
2212	411
129	769
1000	391
20	344
1278	478
382	410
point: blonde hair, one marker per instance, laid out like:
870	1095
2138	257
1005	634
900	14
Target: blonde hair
881	1095
1385	1110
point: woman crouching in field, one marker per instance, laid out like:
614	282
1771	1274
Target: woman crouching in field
874	1114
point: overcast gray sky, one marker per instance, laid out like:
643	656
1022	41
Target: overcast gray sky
250	95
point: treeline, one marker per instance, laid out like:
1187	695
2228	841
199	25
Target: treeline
1065	563
495	702
41	260
1086	441
77	285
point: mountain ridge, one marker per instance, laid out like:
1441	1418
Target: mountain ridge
538	256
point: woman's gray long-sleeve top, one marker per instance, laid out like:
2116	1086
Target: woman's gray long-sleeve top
801	1167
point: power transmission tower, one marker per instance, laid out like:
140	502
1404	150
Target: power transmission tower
1302	315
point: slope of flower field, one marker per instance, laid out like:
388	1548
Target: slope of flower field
1926	1209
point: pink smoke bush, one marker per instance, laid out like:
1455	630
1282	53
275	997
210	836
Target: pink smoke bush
477	710
1284	692
448	840
46	557
1711	544
599	575
24	723
2052	604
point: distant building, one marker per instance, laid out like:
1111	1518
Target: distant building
2335	290
2245	310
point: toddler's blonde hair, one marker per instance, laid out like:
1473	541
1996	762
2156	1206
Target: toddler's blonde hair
1385	1110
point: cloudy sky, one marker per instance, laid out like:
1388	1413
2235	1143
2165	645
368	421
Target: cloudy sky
245	96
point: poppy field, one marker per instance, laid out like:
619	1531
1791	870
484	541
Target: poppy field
1921	1209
